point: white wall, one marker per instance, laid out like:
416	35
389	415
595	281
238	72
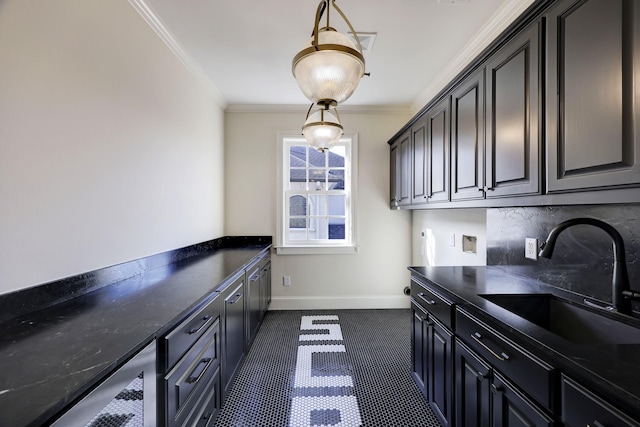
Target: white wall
372	278
109	149
439	227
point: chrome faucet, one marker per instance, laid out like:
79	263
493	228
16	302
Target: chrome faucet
621	294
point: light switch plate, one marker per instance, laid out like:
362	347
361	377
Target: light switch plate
531	248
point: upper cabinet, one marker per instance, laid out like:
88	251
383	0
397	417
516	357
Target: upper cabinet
513	118
467	139
591	102
547	114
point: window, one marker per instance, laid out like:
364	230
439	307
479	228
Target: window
316	197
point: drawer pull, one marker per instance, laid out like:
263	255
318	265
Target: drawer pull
236	299
500	356
430	302
206	319
192	377
254	277
496	388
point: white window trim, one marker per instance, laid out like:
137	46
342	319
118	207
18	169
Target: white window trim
325	249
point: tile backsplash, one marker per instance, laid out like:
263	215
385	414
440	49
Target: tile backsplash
583	258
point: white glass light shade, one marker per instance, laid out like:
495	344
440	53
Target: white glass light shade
322	130
332	71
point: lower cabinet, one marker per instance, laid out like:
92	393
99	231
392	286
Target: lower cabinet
582	407
232	321
432	351
190	359
486	398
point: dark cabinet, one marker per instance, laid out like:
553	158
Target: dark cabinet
486	398
513	159
431	350
254	303
437	154
473	388
420	161
591	109
467	138
232	322
265	286
581	407
400	185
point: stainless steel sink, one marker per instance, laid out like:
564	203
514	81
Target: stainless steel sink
567	319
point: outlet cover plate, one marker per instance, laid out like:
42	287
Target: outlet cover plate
531	248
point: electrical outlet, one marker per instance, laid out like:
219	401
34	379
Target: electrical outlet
531	248
286	280
452	240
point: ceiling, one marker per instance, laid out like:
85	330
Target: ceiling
242	49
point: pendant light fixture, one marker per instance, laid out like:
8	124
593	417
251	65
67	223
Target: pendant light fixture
329	67
328	70
322	129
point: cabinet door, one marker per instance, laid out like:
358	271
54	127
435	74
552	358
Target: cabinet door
420	159
395	169
512	409
265	287
467	138
438	149
419	341
253	308
513	148
591	100
580	407
233	332
472	376
440	369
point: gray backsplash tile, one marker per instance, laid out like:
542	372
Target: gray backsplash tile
583	258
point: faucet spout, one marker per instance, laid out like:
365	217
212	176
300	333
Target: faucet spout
621	292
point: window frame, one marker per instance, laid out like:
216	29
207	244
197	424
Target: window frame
284	247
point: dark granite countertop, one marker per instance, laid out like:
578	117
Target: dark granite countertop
613	370
52	356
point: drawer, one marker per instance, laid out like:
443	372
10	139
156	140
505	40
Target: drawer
580	407
178	341
185	383
207	408
534	376
437	305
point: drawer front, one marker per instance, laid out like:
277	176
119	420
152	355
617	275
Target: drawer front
185	383
580	407
534	376
205	412
178	341
437	305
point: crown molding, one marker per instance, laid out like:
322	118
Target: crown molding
508	13
302	109
187	60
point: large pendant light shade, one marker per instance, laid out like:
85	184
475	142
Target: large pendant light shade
330	72
329	67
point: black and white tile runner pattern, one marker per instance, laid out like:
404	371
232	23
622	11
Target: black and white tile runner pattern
125	410
341	368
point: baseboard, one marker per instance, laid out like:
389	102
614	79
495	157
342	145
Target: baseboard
340	303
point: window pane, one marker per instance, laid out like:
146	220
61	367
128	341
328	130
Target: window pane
336	156
297	156
297	206
336	229
317	159
297	229
317	175
317	204
318	229
336	179
337	205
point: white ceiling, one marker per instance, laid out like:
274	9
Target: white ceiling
242	49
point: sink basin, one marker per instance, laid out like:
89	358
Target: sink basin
566	319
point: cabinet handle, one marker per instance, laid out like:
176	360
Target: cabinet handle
500	356
496	388
254	277
235	300
194	379
206	319
422	297
481	375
